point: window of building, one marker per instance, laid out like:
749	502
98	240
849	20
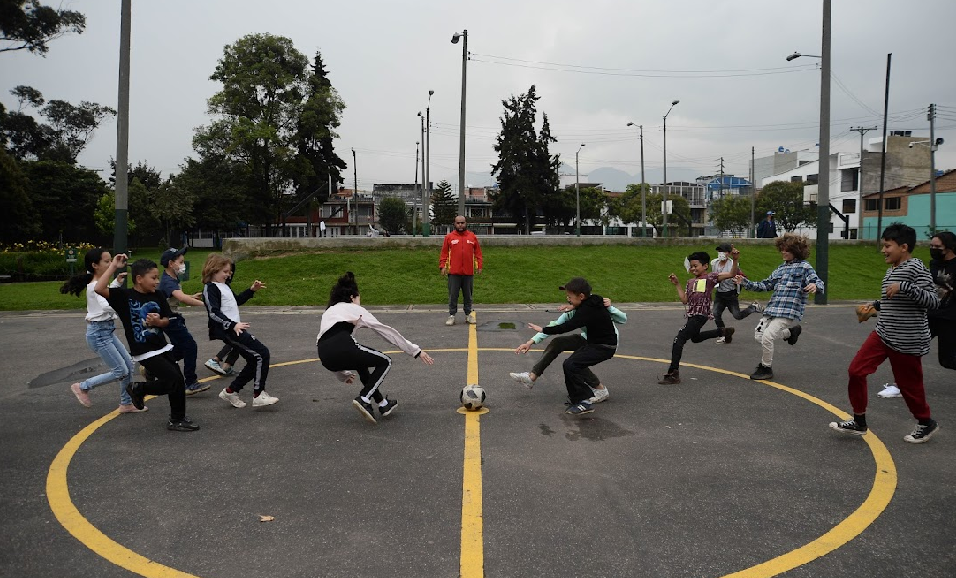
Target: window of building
796	179
849	206
812	179
849	180
893	204
871	205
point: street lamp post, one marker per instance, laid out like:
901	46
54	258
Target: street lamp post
577	191
426	198
355	191
422	191
664	207
461	129
643	200
415	187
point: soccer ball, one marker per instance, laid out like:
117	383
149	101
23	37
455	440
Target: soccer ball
472	397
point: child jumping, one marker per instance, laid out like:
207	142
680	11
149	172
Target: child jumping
144	313
592	316
341	353
726	294
902	335
224	361
184	346
222	306
791	283
101	331
697	298
567	343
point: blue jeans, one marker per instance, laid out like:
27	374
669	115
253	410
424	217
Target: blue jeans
184	347
103	341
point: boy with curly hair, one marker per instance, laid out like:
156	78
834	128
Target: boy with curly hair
792	283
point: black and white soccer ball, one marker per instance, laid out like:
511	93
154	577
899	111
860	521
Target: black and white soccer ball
472	397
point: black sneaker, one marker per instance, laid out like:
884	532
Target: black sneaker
922	433
762	372
580	408
184	424
670	378
390	406
728	334
849	427
364	408
135	391
794	334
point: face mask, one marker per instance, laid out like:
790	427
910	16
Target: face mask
181	270
937	254
722	256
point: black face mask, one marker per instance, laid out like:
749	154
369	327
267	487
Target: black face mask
937	254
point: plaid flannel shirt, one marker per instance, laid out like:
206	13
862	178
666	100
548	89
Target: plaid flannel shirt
787	282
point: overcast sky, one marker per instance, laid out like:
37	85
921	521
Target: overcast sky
596	65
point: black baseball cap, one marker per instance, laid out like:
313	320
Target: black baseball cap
577	285
725	247
171	254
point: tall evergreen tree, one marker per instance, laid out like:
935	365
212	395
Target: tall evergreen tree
444	206
315	133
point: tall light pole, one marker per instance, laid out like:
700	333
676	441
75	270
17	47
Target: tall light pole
933	145
823	178
461	130
664	207
415	188
426	222
577	190
643	199
122	131
355	190
421	117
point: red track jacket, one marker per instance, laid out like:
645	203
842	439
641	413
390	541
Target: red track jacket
460	251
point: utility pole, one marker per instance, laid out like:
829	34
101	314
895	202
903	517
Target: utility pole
721	177
753	188
886	109
416	187
931	116
823	179
859	202
355	190
426	221
422	119
643	199
122	132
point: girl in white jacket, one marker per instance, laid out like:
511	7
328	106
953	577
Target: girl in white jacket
340	352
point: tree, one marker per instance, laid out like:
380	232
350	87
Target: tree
18	219
628	208
68	196
104	216
560	207
731	213
264	89
526	171
444	205
393	214
220	189
786	201
27	24
172	208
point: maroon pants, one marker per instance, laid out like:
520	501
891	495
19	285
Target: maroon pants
907	370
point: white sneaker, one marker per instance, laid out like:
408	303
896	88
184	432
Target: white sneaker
232	398
471	319
524	378
721	339
890	390
214	365
450	320
263	399
599	395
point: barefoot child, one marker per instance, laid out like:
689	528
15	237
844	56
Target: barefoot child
902	335
222	306
697	298
341	353
792	283
566	343
144	313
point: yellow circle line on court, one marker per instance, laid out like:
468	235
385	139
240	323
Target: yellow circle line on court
880	495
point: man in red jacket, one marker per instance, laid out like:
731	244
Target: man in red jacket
459	254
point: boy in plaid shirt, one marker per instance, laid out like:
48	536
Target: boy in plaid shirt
791	283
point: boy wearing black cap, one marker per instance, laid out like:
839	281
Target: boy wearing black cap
184	346
593	316
725	296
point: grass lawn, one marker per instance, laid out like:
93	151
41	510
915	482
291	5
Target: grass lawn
511	275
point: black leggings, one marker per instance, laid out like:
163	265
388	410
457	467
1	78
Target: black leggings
690	330
256	355
338	351
167	380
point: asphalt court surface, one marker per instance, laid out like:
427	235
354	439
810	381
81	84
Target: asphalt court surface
707	478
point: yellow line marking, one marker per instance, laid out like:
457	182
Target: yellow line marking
472	559
472	554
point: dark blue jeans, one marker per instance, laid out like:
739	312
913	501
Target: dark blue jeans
184	347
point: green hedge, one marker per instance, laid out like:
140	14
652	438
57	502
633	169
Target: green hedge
37	266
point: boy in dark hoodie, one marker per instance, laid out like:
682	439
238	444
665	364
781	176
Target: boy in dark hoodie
593	316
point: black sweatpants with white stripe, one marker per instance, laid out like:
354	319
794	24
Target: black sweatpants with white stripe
256	355
339	351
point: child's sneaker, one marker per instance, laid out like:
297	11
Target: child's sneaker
580	408
849	427
130	408
232	398
390	406
134	389
228	370
196	388
922	433
728	334
670	378
599	395
214	365
184	424
364	408
720	339
263	399
890	390
762	372
756	307
82	395
524	378
794	334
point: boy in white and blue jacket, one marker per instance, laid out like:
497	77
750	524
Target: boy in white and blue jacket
792	283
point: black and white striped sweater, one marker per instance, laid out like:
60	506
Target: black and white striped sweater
902	323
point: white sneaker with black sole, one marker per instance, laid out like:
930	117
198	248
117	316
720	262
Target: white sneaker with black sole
890	390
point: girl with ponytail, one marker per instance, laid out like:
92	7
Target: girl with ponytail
100	334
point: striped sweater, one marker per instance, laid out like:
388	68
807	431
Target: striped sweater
902	323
